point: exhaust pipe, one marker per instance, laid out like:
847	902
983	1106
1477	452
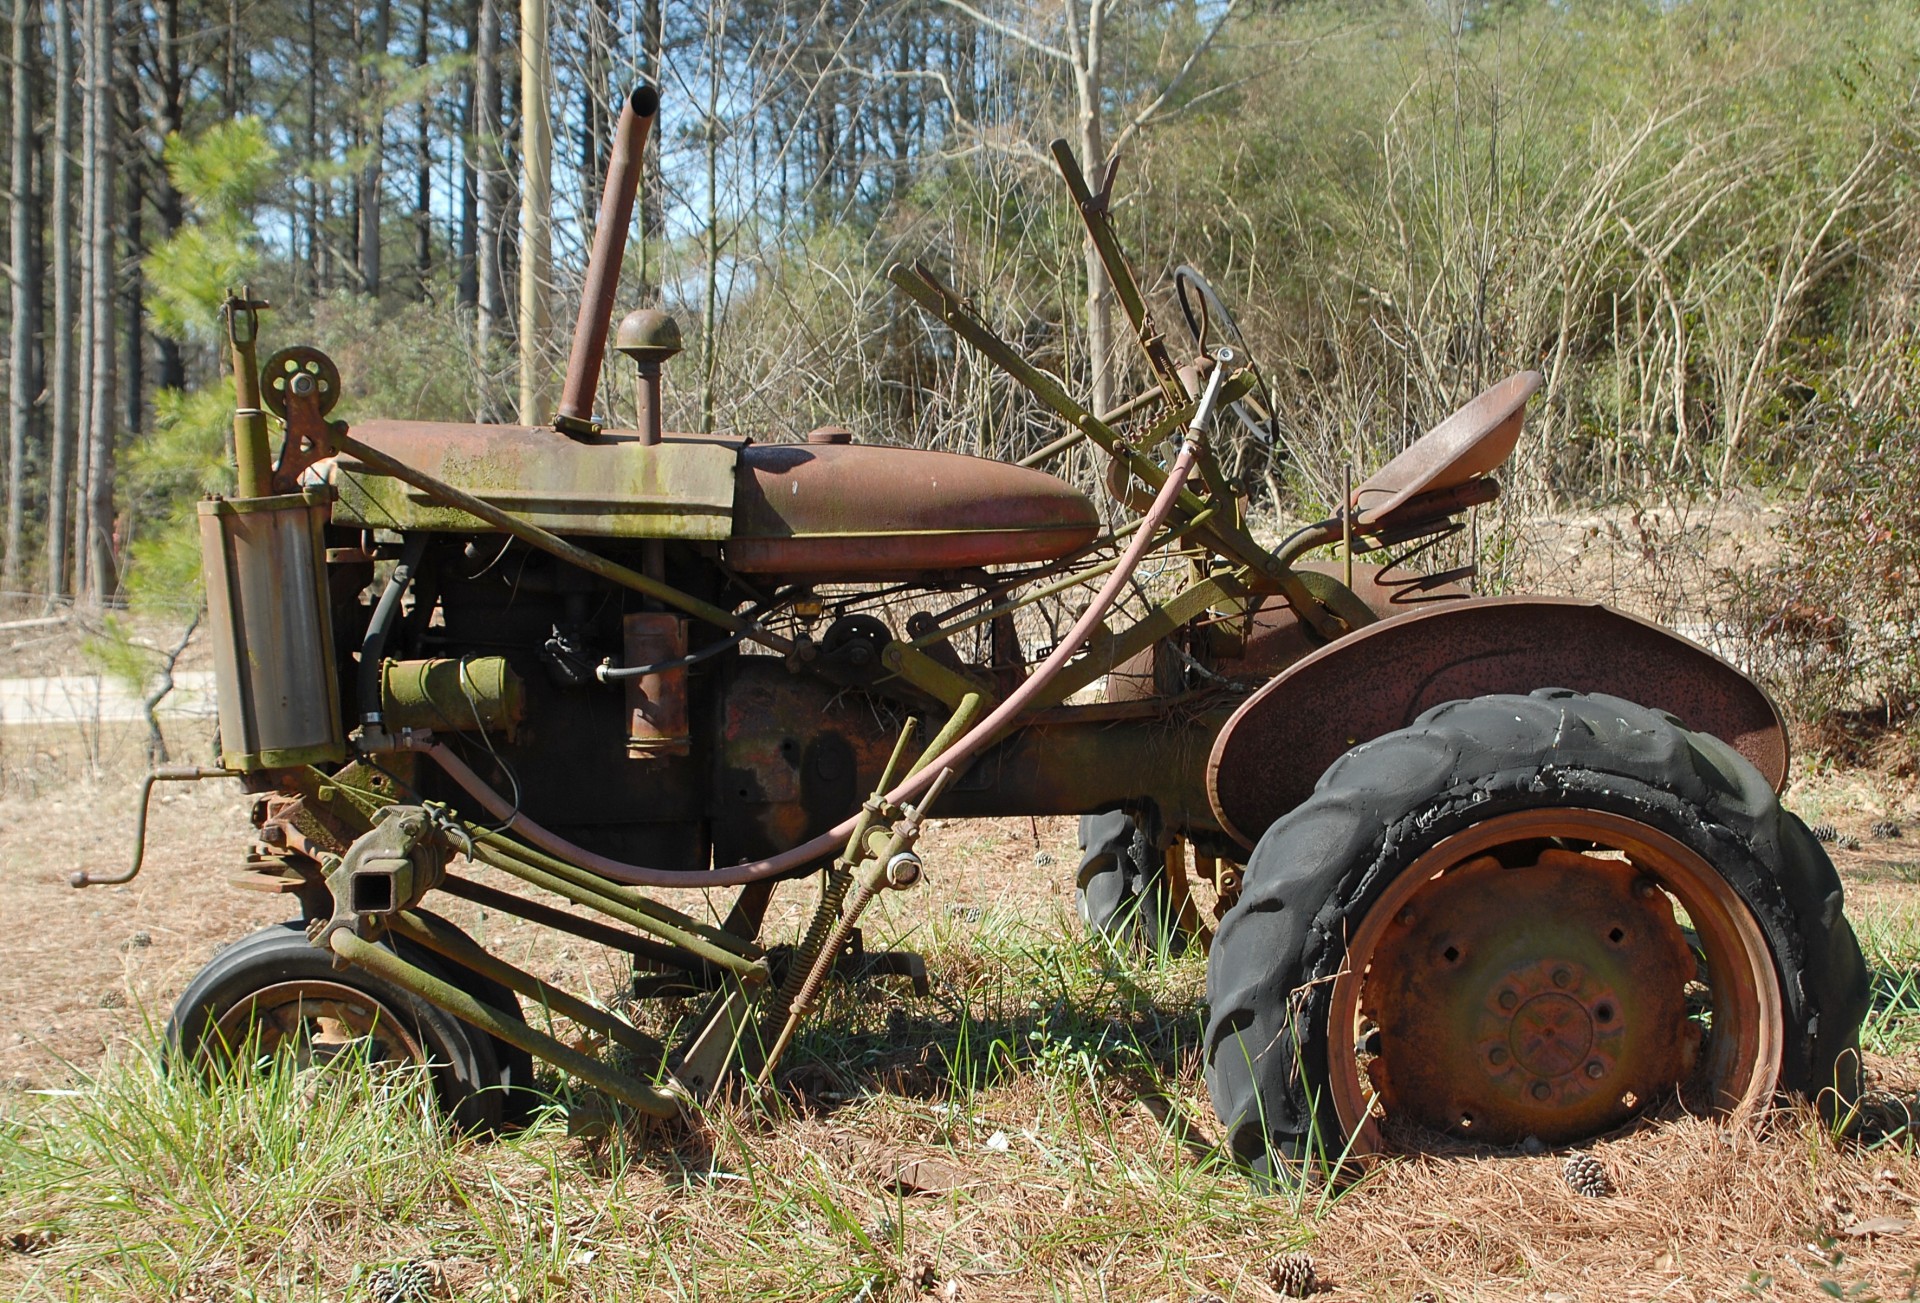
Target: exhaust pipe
575	413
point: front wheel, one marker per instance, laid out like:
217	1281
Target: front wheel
1527	917
273	991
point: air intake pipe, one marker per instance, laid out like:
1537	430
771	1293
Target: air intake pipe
575	413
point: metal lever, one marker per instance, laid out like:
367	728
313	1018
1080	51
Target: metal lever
164	774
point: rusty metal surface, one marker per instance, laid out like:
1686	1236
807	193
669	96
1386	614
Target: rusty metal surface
1469	443
603	263
1253	650
1560	961
271	629
1545	1000
650	338
1284	737
656	703
611	487
871	511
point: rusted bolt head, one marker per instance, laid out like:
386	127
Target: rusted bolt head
1541	1090
648	335
1406	918
1563	977
1596	1070
1498	1054
1508	999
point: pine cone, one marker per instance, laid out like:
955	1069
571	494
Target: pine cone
1885	830
1846	841
407	1282
1588	1175
1824	832
1292	1275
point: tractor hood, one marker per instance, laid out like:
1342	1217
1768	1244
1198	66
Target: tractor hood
808	510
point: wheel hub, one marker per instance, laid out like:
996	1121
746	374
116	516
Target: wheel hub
321	1021
1545	1000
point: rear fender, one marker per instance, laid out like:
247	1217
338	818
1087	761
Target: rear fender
1275	747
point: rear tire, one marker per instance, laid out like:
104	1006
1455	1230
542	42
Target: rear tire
1582	773
274	988
1121	890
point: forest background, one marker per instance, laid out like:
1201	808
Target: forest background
1696	218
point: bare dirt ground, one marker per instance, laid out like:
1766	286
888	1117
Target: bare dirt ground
1705	1211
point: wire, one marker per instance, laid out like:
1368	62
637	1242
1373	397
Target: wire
608	673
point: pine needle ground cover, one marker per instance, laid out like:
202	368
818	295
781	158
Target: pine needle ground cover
1034	1128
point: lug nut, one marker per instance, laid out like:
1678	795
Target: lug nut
1541	1090
1497	1055
1406	918
1563	977
1596	1070
1508	1000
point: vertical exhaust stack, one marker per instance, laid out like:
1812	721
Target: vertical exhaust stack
575	414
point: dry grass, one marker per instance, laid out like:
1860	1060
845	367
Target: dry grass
1049	1094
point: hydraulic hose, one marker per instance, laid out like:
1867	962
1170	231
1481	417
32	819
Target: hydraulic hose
373	648
956	758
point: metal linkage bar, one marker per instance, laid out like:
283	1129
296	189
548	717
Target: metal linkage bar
592	881
605	903
387	966
1095	215
443	940
601	934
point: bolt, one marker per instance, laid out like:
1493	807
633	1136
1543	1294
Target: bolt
302	383
1508	1000
1644	888
1563	977
1406	918
1596	1070
1541	1090
1497	1055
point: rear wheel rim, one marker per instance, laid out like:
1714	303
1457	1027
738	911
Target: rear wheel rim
1533	976
320	1020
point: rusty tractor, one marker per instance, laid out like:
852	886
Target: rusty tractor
1490	868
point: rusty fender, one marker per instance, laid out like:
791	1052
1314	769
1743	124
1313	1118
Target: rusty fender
1273	750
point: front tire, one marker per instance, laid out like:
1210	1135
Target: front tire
1526	916
274	990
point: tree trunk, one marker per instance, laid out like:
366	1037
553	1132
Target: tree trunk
490	188
1093	157
171	368
62	432
134	378
25	289
373	82
230	84
423	164
536	209
83	314
101	579
469	166
653	187
311	187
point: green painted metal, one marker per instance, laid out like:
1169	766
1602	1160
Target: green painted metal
580	894
612	487
551	543
443	940
387	966
452	694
